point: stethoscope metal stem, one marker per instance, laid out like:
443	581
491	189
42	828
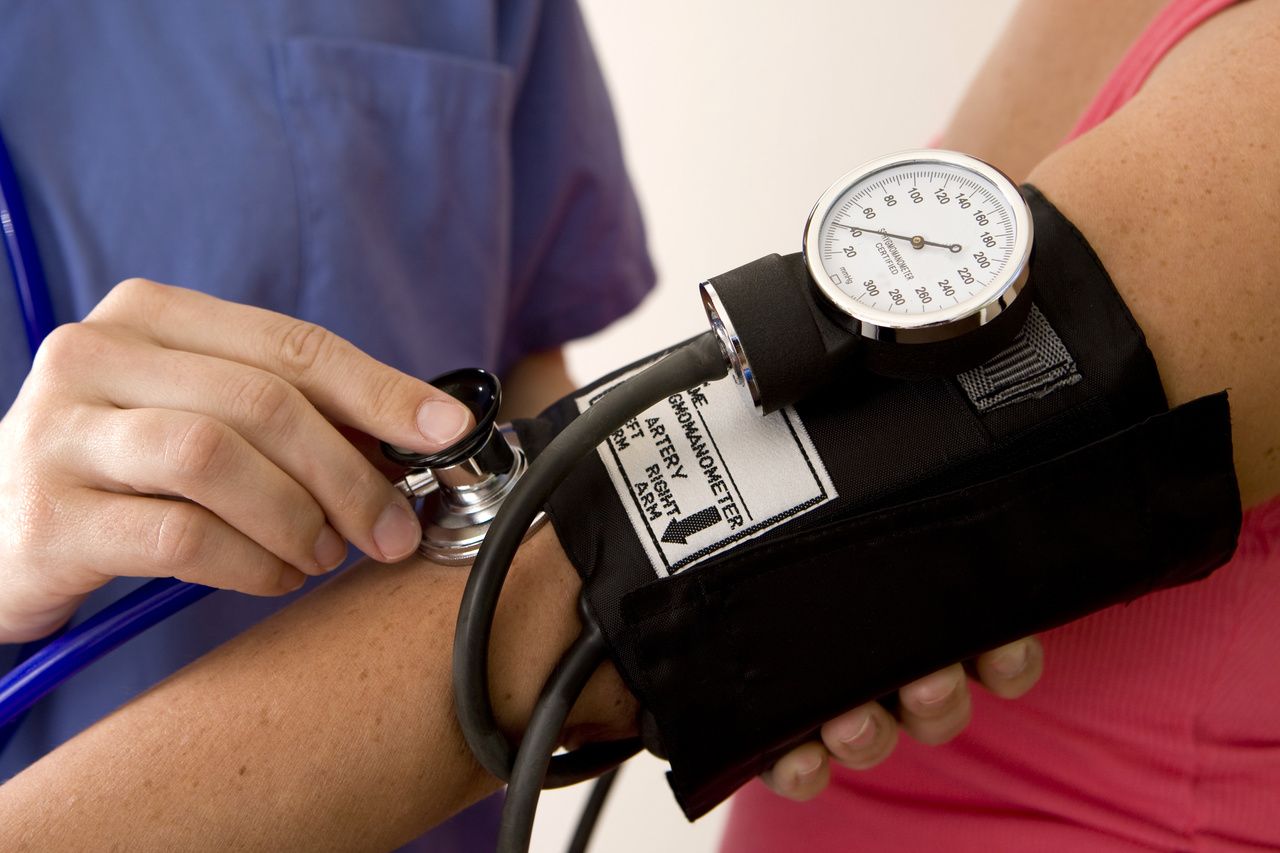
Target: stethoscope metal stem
462	488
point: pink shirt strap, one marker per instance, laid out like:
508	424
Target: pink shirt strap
1175	20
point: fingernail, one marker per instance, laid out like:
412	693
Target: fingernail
1011	662
330	550
935	691
396	532
810	766
442	422
292	581
857	735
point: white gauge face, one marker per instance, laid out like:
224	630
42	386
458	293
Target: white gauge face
918	239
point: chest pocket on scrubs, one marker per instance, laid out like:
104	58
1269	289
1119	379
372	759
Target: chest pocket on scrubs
402	161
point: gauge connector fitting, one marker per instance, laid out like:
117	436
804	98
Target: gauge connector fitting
777	343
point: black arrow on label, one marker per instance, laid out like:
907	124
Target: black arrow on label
679	531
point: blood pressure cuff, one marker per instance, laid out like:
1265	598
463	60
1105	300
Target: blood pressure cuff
893	526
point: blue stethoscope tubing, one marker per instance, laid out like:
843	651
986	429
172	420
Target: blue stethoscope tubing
45	664
24	262
64	656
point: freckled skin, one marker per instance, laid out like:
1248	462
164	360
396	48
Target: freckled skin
1178	192
1013	118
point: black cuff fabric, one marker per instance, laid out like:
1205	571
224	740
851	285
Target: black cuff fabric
967	512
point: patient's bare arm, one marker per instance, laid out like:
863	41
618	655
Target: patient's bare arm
329	726
1179	194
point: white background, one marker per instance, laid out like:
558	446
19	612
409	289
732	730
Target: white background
735	117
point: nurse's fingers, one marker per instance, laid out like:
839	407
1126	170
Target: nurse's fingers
277	420
862	738
181	454
936	708
154	537
338	378
801	774
1013	669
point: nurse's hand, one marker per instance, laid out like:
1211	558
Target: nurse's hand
932	710
175	434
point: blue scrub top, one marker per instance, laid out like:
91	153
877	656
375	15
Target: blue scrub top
439	181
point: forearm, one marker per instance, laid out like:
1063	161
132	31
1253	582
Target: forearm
329	726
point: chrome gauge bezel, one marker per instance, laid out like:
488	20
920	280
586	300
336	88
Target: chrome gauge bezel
921	328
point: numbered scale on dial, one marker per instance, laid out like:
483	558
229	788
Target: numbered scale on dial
919	240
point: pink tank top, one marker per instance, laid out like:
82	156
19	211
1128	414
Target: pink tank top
1156	724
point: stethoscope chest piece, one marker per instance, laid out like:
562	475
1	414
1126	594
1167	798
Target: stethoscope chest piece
461	489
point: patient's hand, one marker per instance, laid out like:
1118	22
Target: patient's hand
537	611
933	710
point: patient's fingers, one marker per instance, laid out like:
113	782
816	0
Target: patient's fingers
801	774
1011	670
862	738
936	708
933	710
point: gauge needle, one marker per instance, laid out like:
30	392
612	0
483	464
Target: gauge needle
917	242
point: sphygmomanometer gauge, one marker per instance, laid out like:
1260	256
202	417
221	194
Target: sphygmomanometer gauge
920	246
914	265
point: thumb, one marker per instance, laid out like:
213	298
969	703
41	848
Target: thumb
408	413
356	390
441	420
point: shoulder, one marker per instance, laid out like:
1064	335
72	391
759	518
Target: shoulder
1191	165
1206	114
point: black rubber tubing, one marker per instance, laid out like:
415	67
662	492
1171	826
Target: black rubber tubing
591	812
543	734
693	363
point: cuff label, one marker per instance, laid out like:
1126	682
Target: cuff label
701	472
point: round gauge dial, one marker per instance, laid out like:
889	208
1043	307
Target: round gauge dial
919	240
